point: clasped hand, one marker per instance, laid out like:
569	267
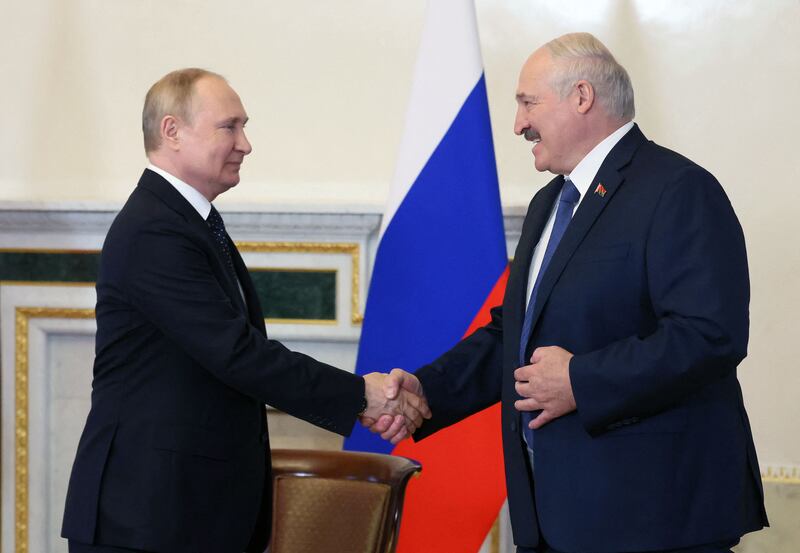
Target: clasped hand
545	385
396	405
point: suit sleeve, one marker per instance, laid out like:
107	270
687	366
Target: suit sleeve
696	271
170	281
466	379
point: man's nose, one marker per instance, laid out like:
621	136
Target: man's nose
520	123
242	144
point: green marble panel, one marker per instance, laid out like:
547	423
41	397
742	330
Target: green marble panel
293	294
49	267
284	293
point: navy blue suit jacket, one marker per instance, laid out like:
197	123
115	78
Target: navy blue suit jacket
649	290
174	456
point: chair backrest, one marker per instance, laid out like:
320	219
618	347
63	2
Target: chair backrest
337	501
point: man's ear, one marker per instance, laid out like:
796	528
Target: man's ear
585	96
169	132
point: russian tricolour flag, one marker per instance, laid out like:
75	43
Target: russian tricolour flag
441	264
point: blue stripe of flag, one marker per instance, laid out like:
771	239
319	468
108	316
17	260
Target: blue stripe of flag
439	257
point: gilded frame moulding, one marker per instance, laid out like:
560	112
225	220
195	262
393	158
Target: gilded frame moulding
21	358
48	250
350	248
353	249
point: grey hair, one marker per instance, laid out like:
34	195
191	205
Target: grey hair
582	56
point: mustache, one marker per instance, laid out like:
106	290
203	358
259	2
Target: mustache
530	135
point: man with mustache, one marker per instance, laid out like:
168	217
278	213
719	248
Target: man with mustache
175	455
615	350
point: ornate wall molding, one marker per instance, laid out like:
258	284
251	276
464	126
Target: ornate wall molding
95	219
21	370
351	249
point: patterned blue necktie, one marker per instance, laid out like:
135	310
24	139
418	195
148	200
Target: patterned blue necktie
220	237
566	203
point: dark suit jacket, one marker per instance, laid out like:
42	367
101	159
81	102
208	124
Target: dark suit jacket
175	453
649	289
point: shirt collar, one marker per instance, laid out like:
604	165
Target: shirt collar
584	173
199	202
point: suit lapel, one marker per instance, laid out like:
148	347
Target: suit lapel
156	184
254	312
162	189
532	227
590	208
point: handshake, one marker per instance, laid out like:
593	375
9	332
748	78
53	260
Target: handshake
396	404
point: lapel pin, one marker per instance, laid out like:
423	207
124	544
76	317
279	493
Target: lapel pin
601	190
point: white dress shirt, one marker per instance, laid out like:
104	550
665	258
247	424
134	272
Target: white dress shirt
199	202
582	177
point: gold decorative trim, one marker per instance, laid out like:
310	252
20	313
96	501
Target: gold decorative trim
21	433
45	283
781	475
494	540
320	322
350	248
21	499
272	320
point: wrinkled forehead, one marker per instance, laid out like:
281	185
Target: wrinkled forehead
536	71
540	63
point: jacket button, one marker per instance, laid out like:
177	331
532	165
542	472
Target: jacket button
513	426
264	437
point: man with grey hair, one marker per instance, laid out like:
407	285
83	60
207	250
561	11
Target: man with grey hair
615	350
175	455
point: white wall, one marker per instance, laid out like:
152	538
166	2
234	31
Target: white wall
326	86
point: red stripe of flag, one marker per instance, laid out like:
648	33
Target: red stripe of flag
462	478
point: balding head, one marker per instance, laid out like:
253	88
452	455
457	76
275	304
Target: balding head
581	56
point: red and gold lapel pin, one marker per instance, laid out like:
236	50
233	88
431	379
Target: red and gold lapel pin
601	190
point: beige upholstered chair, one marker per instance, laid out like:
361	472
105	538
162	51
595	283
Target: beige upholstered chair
337	501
